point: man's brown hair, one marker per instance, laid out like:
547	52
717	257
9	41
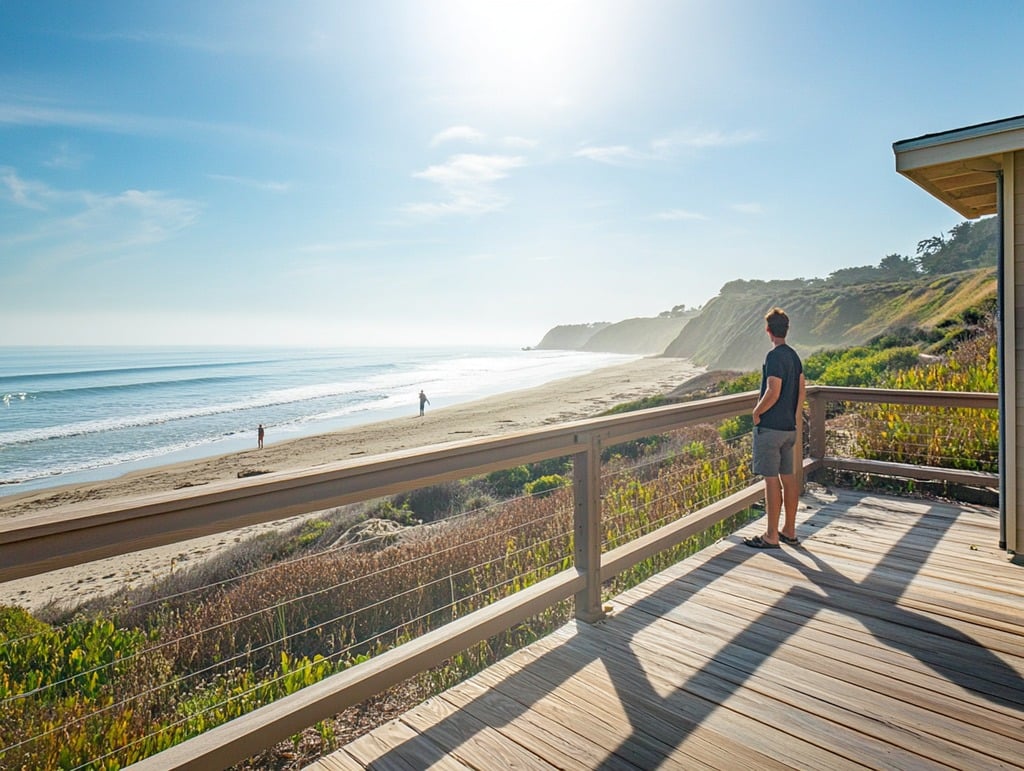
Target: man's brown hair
778	322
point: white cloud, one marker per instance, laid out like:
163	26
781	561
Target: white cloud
521	142
470	170
66	225
676	215
665	147
160	38
457	134
27	112
702	139
608	154
24	193
467	181
36	115
258	184
748	208
65	157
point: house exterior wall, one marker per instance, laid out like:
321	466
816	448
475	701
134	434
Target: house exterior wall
1013	283
937	162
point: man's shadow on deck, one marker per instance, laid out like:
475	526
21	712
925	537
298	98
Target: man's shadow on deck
662	723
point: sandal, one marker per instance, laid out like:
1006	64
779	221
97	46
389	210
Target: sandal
794	541
757	542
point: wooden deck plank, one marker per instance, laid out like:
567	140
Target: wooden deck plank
396	747
853	596
893	637
696	705
838	685
541	726
735	584
475	743
658	734
732	676
876	663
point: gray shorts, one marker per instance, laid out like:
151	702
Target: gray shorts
773	451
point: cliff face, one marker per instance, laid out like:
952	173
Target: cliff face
570	337
729	332
641	336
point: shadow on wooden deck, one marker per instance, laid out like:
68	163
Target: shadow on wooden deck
890	638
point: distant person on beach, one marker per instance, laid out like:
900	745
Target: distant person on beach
775	416
259	436
423	402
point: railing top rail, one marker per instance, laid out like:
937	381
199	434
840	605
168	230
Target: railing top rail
83	533
978	399
77	534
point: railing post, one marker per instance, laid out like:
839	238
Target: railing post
586	473
816	421
798	451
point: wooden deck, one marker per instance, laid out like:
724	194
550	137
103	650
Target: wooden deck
893	637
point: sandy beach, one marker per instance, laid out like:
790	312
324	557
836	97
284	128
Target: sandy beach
560	401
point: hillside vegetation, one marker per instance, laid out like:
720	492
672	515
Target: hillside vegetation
729	332
947	277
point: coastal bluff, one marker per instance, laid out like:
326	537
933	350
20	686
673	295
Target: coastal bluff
728	332
640	336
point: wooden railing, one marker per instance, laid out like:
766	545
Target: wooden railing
41	543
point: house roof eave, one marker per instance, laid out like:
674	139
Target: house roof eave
959	167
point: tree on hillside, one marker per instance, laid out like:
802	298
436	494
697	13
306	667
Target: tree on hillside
862	274
895	267
970	245
760	286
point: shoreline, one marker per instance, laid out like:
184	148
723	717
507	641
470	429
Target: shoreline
559	401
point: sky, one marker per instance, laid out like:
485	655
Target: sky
442	172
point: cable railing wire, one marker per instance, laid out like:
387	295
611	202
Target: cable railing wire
560	539
277	642
268	609
393	631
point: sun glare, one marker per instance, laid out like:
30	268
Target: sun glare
520	56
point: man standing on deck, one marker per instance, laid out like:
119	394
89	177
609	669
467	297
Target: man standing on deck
776	413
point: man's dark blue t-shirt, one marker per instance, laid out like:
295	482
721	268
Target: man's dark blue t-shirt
784	363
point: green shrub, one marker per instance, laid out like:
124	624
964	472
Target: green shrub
695	450
387	509
644	403
864	367
750	381
953	438
18	622
81	658
545	484
433	502
507	483
734	428
562	465
634	450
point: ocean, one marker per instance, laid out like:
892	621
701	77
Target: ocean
71	415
